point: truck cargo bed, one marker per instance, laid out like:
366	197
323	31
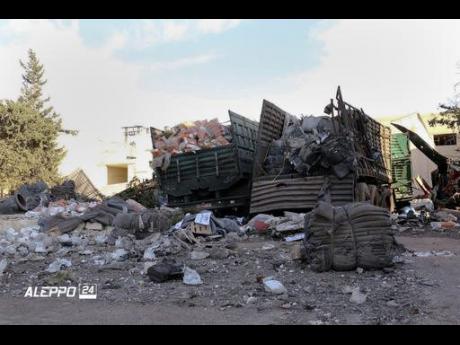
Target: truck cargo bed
272	193
213	178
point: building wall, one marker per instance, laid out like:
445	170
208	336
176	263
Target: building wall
451	151
117	174
420	164
108	162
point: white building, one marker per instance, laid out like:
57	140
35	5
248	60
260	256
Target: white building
110	164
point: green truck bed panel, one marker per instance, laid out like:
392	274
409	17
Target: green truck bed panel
209	175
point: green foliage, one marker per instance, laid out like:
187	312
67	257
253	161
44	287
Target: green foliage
450	116
28	133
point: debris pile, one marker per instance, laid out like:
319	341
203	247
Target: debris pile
347	237
421	215
38	196
188	137
206	223
141	191
124	217
309	146
289	227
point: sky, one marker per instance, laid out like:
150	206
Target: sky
105	74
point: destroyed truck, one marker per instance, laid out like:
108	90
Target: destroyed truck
340	158
213	178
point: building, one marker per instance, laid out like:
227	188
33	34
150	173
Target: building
443	139
446	140
110	164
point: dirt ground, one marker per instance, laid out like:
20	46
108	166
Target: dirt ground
442	275
420	290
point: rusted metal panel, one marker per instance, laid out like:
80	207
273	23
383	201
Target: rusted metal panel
301	193
271	124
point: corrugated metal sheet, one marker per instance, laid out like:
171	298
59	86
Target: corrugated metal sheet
83	184
244	131
244	134
271	125
300	193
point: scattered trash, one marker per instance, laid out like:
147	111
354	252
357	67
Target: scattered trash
440	226
251	300
261	227
101	239
191	277
296	237
203	218
261	222
434	253
65	240
3	265
164	271
392	303
418	204
149	254
98	260
58	264
198	255
273	286
444	216
347	289
357	296
93	226
268	246
120	255
125	243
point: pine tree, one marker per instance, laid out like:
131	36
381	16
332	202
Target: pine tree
29	132
32	83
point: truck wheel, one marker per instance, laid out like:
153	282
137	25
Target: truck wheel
362	192
385	198
374	195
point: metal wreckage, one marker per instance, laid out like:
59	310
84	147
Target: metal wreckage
317	166
325	180
284	163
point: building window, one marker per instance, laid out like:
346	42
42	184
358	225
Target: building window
117	174
445	139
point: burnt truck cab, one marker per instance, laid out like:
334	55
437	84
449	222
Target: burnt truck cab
215	178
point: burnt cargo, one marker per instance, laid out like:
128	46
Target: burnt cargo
290	190
214	178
